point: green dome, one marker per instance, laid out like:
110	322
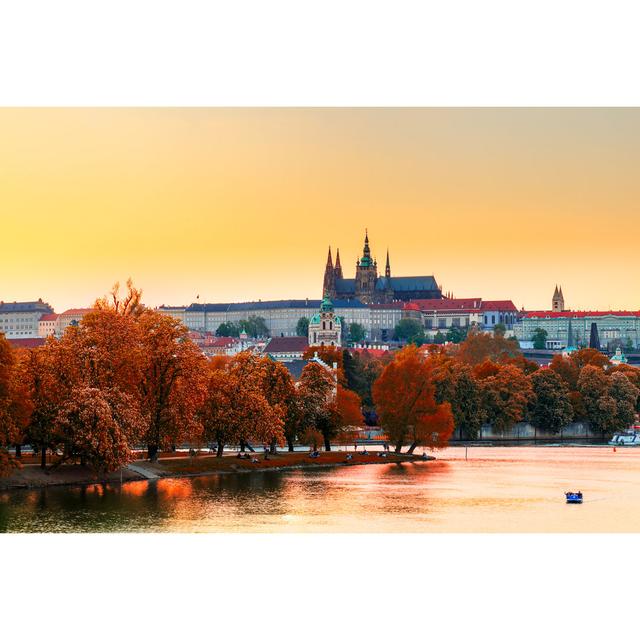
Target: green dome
326	305
315	319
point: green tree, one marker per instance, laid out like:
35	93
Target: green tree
409	330
302	328
439	338
357	332
228	329
456	385
539	338
550	407
254	326
499	329
456	335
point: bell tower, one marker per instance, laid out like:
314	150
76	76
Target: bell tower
366	274
557	302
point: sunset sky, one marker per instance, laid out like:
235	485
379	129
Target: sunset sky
241	204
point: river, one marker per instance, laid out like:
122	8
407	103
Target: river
497	489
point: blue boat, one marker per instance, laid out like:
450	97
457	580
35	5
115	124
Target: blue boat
574	497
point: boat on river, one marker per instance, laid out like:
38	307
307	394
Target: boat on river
573	497
630	438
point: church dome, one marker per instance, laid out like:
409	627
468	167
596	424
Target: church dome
326	305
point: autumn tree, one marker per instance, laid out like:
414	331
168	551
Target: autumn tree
481	346
583	357
279	390
98	427
128	304
404	396
10	423
550	407
171	383
593	386
316	401
235	408
632	374
506	393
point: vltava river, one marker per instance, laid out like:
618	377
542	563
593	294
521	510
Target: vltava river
516	489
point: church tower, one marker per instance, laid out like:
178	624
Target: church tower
329	282
387	269
557	302
366	274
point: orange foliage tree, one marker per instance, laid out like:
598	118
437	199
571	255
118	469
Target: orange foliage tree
316	395
404	397
507	391
235	409
484	346
10	419
97	427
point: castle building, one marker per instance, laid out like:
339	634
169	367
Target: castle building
370	288
325	328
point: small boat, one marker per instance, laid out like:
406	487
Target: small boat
573	497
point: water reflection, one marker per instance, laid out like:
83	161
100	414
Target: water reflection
516	489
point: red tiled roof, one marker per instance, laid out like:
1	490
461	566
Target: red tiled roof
498	305
49	317
26	343
376	353
223	341
76	312
580	314
287	345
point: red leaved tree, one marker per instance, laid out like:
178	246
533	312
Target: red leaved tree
404	397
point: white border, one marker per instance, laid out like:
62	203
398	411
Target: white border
331	53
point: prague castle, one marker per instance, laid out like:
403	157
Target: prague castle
370	288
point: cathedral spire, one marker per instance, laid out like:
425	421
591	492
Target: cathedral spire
329	260
387	269
338	267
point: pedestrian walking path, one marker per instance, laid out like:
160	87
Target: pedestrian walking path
145	473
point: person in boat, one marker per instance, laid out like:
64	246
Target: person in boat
424	455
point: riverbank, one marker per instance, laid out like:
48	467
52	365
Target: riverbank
32	476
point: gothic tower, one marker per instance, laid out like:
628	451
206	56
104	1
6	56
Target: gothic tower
557	302
329	283
387	269
338	268
366	274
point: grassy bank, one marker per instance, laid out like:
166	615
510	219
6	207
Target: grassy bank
202	465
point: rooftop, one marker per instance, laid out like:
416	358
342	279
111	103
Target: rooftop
581	314
292	344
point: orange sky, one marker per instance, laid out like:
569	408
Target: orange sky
240	204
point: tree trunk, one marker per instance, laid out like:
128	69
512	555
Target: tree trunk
220	449
399	446
327	443
152	450
242	446
250	447
43	457
290	443
411	448
274	446
18	451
